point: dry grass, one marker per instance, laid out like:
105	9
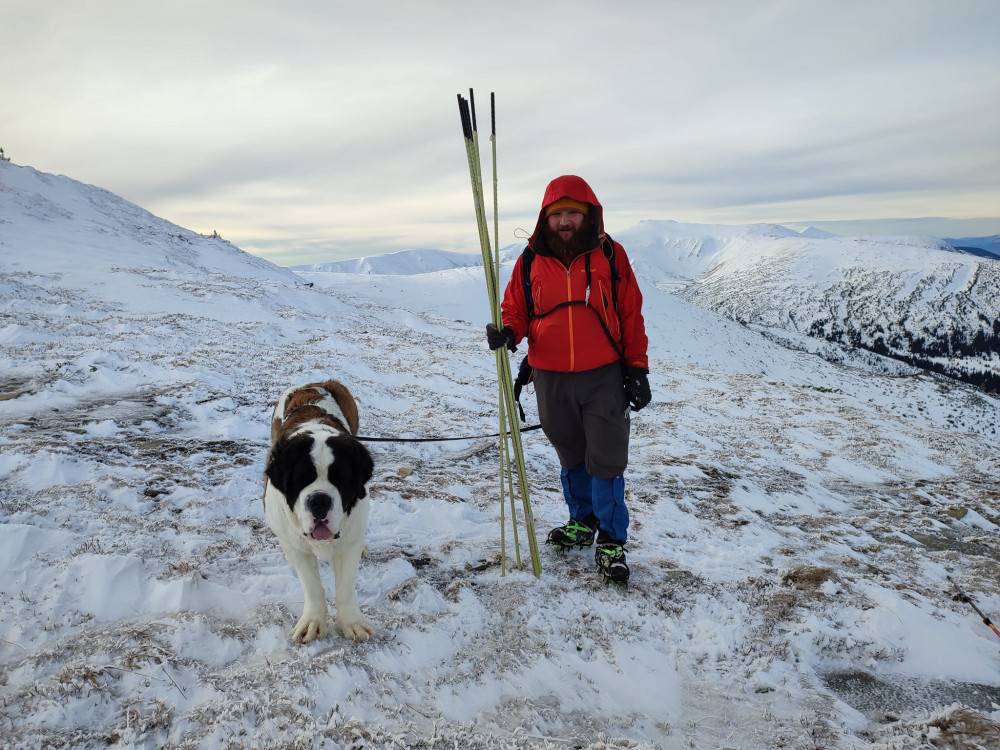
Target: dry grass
965	728
956	728
808	577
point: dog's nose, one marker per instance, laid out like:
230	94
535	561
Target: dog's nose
319	504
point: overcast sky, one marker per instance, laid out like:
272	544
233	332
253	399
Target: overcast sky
308	131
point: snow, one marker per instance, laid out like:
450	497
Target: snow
793	518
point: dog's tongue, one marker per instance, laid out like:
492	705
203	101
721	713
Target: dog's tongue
320	531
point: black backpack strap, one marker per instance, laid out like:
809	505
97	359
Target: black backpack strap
609	253
526	257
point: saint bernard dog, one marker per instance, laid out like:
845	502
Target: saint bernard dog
315	500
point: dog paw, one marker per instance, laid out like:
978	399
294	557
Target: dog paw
309	628
356	630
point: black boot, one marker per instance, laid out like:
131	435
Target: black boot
573	534
610	558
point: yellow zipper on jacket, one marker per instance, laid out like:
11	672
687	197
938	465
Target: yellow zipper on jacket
569	298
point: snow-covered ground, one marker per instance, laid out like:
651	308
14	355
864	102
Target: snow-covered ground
794	520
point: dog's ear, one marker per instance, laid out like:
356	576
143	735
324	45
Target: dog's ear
365	467
282	460
352	467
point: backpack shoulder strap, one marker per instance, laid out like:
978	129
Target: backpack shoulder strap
609	253
527	256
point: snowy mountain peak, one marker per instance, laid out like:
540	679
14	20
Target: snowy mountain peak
668	228
816	233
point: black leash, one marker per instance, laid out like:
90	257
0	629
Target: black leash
365	439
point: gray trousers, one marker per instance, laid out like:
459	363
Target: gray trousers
585	417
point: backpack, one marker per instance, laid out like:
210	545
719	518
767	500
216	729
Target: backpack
528	255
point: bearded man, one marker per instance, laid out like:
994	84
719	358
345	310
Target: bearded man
574	296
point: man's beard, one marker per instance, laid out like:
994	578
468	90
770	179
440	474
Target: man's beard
582	240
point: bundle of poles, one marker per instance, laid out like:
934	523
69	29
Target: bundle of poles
511	451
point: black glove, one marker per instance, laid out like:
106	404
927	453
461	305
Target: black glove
637	387
497	338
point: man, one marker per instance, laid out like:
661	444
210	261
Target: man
581	310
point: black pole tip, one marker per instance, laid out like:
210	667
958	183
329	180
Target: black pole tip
472	105
463	113
493	114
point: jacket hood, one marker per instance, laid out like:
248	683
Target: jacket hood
567	186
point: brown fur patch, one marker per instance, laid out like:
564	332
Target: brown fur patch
311	414
300	397
344	400
299	409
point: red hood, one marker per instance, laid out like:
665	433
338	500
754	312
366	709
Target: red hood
569	186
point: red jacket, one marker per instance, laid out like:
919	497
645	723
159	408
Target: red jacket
571	339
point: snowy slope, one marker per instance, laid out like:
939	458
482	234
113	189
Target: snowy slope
793	520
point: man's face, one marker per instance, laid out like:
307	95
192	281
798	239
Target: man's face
565	223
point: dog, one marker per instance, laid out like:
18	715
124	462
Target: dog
315	500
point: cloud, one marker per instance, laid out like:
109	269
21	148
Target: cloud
307	128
